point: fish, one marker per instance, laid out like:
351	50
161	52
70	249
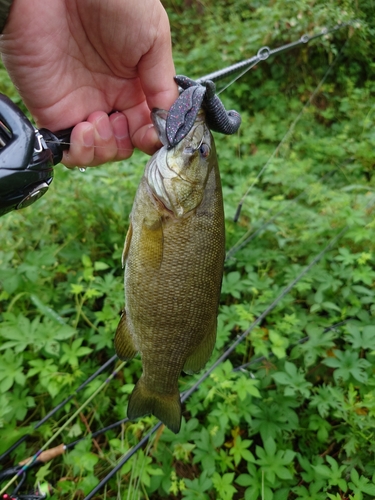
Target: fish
174	257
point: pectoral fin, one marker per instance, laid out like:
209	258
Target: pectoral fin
127	244
151	243
124	344
196	361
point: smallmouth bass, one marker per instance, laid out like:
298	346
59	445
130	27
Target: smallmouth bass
174	255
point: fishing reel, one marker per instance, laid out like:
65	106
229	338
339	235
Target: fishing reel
40	492
26	161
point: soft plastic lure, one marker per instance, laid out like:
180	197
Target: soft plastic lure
184	111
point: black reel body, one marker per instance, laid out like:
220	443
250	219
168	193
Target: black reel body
26	162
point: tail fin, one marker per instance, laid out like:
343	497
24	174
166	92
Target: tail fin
166	408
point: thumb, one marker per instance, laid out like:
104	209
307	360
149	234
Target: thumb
156	69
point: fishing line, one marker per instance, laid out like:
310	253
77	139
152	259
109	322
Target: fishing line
289	132
97	433
239	76
59	431
59	406
65	143
249	235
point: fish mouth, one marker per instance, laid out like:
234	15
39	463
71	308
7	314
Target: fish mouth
177	176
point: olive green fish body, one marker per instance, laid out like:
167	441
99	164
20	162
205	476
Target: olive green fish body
174	255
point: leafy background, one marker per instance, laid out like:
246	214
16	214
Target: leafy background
298	422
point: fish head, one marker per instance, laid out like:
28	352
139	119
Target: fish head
177	175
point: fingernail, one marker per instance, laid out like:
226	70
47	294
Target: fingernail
120	126
88	137
104	129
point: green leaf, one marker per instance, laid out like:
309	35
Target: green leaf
240	450
293	379
273	461
223	485
100	266
245	386
348	363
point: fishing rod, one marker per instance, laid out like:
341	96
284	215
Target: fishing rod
59	406
265	52
43	490
43	458
49	454
58	450
52	453
12	118
185	395
28	155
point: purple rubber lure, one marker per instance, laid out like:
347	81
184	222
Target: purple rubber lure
183	112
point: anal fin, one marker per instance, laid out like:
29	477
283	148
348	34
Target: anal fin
124	344
196	361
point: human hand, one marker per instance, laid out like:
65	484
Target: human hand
76	61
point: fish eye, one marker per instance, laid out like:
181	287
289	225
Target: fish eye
204	150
